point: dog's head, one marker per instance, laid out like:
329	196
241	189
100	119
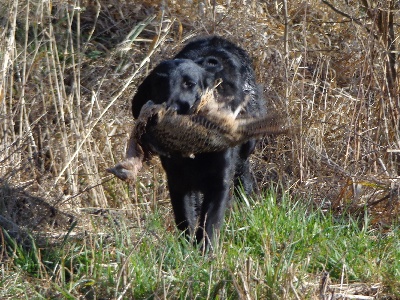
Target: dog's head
178	82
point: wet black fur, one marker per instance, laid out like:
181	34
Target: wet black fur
200	188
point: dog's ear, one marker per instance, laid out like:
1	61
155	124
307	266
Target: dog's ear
210	64
154	87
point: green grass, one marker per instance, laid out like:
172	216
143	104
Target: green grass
269	248
68	74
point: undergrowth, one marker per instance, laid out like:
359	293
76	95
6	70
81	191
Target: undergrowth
67	75
272	248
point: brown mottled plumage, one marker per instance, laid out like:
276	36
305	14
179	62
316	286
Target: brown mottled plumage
210	127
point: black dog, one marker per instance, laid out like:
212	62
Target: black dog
200	187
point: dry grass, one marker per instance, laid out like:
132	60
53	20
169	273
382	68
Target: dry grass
69	71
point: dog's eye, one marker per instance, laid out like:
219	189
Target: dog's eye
188	84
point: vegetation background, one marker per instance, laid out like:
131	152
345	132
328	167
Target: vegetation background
69	70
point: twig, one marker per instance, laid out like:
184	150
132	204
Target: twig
352	19
342	13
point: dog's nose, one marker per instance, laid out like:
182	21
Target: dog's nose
180	107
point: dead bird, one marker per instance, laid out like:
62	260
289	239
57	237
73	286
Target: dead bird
210	127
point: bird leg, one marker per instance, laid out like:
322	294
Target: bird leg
128	169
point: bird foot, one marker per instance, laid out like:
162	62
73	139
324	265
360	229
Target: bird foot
127	170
